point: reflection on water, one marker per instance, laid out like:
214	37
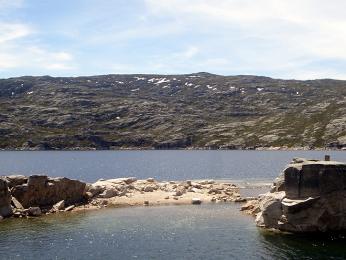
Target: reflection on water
295	246
213	231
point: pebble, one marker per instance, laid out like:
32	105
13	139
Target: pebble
70	208
196	201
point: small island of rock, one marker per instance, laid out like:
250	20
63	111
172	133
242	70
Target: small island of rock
309	196
22	196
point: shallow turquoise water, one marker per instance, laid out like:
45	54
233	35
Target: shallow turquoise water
213	231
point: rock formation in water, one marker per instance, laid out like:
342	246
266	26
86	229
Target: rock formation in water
309	196
23	196
43	191
5	199
37	194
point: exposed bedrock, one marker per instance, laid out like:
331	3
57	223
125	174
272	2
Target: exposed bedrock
35	195
309	196
5	199
39	190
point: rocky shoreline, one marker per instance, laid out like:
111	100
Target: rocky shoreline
309	196
37	195
245	148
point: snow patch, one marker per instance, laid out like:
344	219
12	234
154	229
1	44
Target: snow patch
139	78
164	80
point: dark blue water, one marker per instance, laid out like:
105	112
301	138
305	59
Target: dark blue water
163	165
214	231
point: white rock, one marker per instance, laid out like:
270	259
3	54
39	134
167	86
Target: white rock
196	190
70	208
150	180
17	204
59	206
196	201
109	193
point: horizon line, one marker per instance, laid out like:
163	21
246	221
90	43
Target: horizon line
172	74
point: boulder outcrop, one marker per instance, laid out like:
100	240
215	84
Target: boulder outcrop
5	199
43	191
32	196
310	196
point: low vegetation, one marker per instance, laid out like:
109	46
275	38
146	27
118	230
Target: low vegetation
199	110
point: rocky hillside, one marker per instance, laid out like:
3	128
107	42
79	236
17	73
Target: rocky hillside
199	110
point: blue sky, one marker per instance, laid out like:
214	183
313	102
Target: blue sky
302	39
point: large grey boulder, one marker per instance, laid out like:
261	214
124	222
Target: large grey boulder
271	209
43	191
5	199
110	188
310	196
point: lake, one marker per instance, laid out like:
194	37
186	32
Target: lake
210	231
162	165
207	231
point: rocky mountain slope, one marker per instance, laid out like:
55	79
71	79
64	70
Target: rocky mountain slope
199	110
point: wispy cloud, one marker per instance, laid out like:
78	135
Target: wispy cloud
5	4
286	39
9	31
285	33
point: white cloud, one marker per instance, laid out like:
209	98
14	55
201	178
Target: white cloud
18	52
34	58
58	66
12	31
279	38
189	52
271	34
6	4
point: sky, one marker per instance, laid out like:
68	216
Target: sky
300	39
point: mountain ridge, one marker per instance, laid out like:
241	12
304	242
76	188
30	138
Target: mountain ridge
188	111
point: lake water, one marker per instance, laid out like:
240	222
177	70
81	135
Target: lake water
209	231
213	231
163	165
